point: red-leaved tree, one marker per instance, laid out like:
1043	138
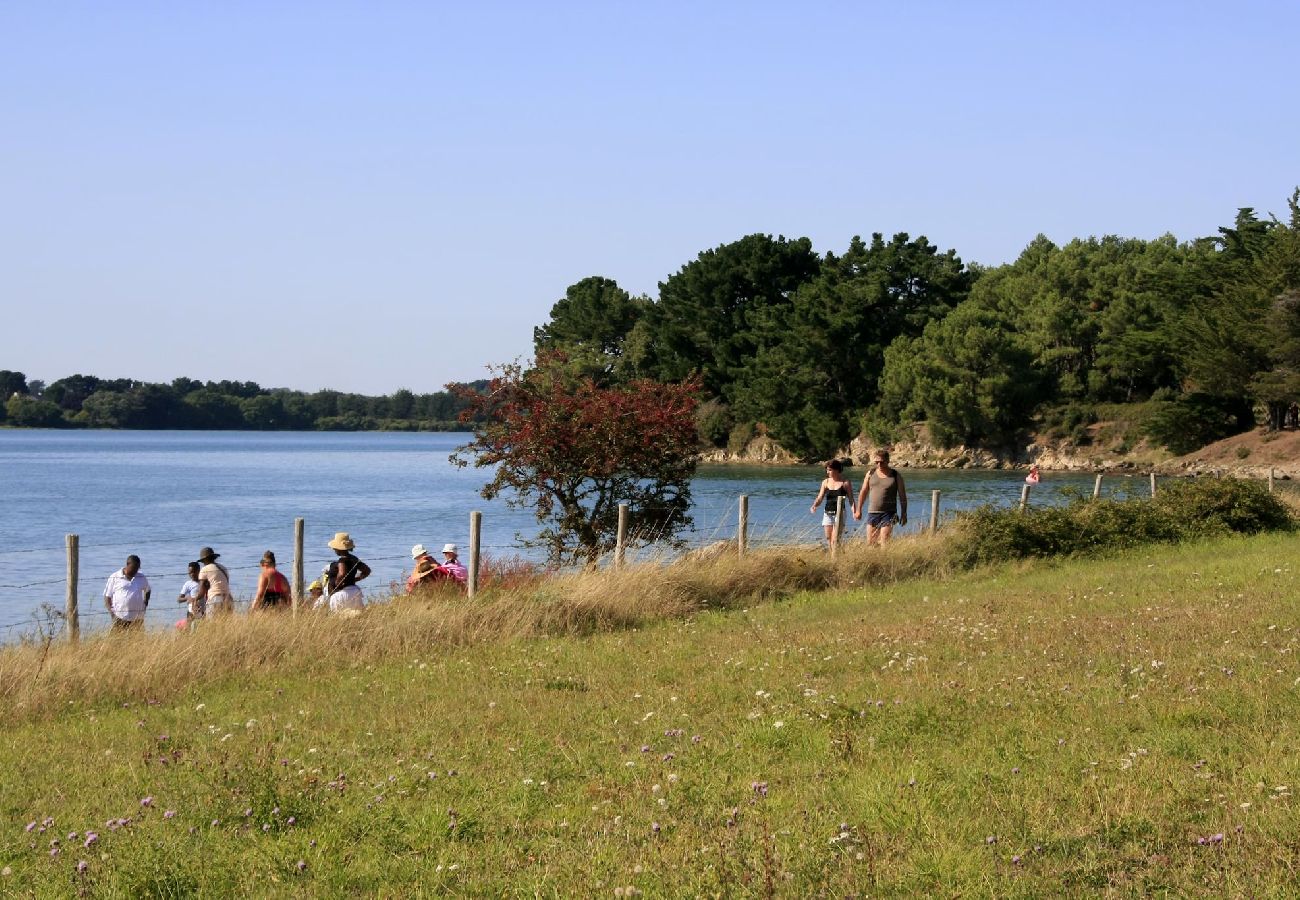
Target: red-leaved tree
574	451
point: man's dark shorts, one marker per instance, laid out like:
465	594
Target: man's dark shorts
881	520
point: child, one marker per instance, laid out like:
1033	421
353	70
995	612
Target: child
190	595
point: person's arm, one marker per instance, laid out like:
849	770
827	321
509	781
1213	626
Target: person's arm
261	590
862	497
148	592
203	590
363	571
902	498
820	494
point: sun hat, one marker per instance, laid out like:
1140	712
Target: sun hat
448	548
206	554
316	585
342	541
417	551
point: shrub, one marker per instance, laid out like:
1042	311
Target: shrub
714	421
740	437
1180	511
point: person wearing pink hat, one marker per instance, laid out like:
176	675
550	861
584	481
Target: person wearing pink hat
451	564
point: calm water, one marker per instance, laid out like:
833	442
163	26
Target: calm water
162	495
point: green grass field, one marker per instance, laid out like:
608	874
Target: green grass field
1125	726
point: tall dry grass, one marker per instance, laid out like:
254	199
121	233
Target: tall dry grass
37	680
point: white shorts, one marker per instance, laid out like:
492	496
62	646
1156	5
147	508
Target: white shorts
828	520
349	597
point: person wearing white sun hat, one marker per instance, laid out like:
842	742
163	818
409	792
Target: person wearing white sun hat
451	565
424	569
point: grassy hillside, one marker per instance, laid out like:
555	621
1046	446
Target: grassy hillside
1125	725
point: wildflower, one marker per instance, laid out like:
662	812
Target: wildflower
301	865
248	812
169	814
668	757
991	839
72	835
292	820
82	866
1015	770
147	802
759	787
31	826
54	853
91	837
1015	860
695	739
654	827
645	748
266	826
778	724
216	822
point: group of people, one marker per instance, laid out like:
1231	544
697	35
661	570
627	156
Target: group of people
883	498
207	592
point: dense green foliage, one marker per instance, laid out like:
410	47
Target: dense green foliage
818	348
1183	510
84	401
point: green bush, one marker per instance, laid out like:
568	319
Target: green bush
714	421
1182	510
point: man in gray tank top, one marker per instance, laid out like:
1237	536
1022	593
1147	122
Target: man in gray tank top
884	498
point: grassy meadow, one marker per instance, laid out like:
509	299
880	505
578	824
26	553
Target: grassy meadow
1123	726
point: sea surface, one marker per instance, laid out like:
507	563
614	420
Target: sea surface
162	495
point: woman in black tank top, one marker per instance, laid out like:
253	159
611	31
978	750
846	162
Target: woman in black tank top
833	487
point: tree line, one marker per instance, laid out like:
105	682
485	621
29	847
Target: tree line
1201	336
91	402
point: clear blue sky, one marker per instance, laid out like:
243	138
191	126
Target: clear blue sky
374	195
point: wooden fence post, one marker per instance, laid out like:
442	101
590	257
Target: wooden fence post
1270	479
1096	487
1024	497
620	540
742	527
70	606
934	511
298	527
1153	485
475	530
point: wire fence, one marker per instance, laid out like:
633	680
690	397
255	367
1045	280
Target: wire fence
781	524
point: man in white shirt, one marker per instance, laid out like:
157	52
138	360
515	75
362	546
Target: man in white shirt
126	595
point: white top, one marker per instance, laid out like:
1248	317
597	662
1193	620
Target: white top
127	595
191	591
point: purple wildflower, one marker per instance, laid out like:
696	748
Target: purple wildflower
54	853
266	827
669	756
82	866
72	835
991	839
147	802
654	827
216	822
248	812
759	787
292	821
169	814
645	748
91	837
1015	860
31	826
301	865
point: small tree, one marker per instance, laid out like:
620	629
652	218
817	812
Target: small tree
575	451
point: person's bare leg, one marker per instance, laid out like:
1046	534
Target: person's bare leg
885	532
830	533
873	535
